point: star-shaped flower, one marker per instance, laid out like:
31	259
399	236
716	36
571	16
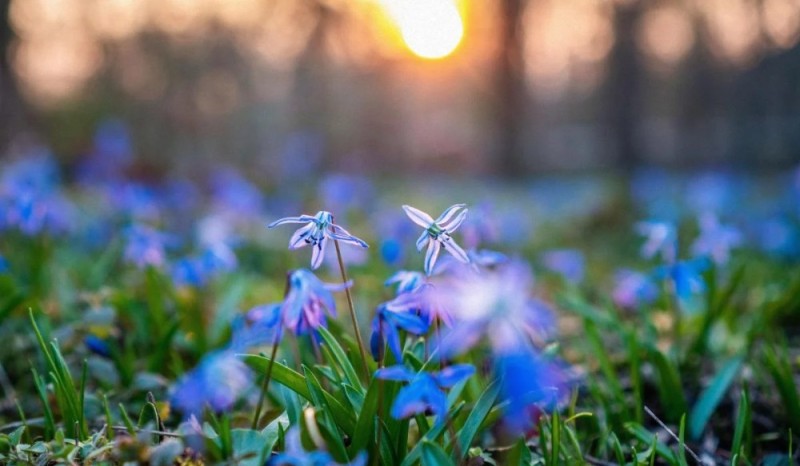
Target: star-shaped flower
437	233
316	232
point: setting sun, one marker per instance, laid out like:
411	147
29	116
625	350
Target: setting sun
430	28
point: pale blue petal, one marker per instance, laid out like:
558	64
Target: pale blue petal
447	216
318	253
431	255
417	216
454	249
298	237
422	240
285	220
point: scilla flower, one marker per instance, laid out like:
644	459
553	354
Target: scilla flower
425	392
307	302
437	233
316	231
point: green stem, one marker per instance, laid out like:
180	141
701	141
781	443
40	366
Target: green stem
267	377
352	310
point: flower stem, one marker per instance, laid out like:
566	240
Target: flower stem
352	310
267	377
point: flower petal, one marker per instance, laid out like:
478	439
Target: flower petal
397	373
453	225
417	216
422	240
451	375
285	220
339	233
454	249
318	253
297	240
431	255
448	215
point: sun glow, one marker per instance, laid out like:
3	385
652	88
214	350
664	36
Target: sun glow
431	29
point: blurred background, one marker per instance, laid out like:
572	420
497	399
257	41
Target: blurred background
500	87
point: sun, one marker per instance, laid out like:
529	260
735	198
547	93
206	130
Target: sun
431	29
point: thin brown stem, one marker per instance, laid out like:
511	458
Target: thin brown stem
352	310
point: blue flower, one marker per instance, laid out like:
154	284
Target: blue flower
569	263
661	238
406	281
258	327
425	301
145	246
424	394
686	277
97	345
295	455
385	328
715	240
529	382
496	305
317	230
307	302
632	289
437	233
218	381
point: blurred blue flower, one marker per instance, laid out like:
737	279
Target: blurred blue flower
529	382
685	277
778	236
145	246
316	232
406	281
425	301
307	302
234	195
424	394
486	257
3	265
386	326
569	263
256	328
437	233
632	289
30	196
343	192
97	345
496	305
715	240
218	382
391	251
295	455
660	238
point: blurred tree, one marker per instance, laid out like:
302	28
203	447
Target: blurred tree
511	92
624	83
11	108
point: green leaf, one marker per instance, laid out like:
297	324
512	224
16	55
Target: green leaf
780	368
649	438
432	435
682	442
477	415
711	396
341	359
366	418
519	455
670	388
433	455
742	423
251	447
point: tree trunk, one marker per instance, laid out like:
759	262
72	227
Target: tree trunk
11	109
511	95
